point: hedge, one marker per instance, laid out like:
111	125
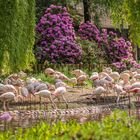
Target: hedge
17	22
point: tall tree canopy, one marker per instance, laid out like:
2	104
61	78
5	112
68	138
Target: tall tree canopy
126	12
17	22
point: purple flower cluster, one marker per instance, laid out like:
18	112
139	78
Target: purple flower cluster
118	49
61	51
120	52
89	31
56	37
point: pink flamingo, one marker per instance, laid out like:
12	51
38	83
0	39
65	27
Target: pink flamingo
59	92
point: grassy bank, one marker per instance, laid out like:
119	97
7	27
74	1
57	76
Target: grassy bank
118	126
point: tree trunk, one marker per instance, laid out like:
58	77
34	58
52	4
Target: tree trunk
87	12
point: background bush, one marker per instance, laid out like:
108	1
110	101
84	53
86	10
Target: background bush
116	50
92	54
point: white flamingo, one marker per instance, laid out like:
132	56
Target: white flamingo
78	72
120	91
7	88
24	91
97	92
6	98
81	81
49	71
46	94
115	76
40	87
73	81
125	77
135	85
108	70
61	76
136	92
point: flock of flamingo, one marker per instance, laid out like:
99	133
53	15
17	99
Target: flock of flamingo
21	87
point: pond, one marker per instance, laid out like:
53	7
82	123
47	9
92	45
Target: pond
29	114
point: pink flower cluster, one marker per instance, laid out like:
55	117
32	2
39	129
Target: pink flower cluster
118	50
56	37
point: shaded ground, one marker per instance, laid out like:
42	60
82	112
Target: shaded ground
75	97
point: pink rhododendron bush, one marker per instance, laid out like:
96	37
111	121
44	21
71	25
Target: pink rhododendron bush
56	37
118	51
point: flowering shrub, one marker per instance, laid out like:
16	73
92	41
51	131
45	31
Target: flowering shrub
89	31
56	37
118	50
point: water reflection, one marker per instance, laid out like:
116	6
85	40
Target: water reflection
79	112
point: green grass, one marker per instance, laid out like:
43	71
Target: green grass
118	126
65	70
44	78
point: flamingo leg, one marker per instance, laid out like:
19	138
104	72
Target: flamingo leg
8	106
55	97
96	99
73	85
54	105
4	105
46	103
29	102
104	97
82	90
35	103
129	102
118	99
40	101
65	101
58	102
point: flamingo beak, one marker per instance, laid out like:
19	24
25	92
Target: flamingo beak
35	93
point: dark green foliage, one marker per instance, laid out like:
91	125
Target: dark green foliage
92	54
41	5
77	18
40	8
88	52
17	21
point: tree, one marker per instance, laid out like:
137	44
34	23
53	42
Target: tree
17	22
126	12
87	11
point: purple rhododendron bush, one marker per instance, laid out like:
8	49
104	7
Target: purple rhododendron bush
118	50
56	37
56	41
